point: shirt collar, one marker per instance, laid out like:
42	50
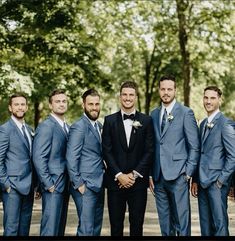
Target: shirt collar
169	107
91	121
61	122
18	123
211	117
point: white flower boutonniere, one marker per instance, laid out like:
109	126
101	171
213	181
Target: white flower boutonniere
170	117
210	125
136	124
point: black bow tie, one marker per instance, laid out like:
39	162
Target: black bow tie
131	117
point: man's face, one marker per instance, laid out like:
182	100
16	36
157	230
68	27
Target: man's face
167	91
18	107
211	101
128	99
59	104
91	107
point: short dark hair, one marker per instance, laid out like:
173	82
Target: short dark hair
15	95
167	77
55	92
91	92
129	84
214	88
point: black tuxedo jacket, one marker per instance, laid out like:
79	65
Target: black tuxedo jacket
121	158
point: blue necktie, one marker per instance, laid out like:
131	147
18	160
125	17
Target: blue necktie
65	129
163	120
205	130
96	129
25	136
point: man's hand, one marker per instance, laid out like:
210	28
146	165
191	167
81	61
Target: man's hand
8	189
82	188
126	180
37	195
194	189
51	189
151	186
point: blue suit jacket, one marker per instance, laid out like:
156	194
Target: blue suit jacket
49	149
177	148
15	158
84	155
217	151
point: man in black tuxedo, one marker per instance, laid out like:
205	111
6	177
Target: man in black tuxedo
128	148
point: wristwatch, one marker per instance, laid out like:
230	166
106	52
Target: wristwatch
135	175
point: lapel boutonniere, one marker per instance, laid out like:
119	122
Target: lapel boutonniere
210	125
32	133
136	124
170	117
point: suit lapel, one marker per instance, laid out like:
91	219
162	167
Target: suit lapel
91	127
134	132
157	122
121	131
208	132
59	127
202	129
30	131
168	122
19	133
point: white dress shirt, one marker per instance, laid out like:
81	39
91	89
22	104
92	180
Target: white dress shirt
168	109
211	117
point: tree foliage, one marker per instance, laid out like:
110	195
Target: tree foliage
81	44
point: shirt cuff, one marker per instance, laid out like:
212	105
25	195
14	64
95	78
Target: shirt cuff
136	174
117	175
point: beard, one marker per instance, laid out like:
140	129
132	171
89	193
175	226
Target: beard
168	100
18	116
90	116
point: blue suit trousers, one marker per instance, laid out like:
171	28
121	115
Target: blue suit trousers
173	206
52	210
212	204
90	206
17	213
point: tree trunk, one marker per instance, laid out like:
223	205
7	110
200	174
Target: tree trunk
151	73
37	114
182	6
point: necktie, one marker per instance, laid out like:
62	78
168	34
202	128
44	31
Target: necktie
163	120
205	130
96	129
65	129
25	136
131	116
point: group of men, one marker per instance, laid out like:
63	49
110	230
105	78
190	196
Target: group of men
132	151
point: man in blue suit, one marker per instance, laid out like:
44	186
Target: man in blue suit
86	167
16	171
49	150
217	163
177	155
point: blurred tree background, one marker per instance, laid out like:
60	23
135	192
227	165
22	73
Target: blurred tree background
78	44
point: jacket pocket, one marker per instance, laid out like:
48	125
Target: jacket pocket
179	156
